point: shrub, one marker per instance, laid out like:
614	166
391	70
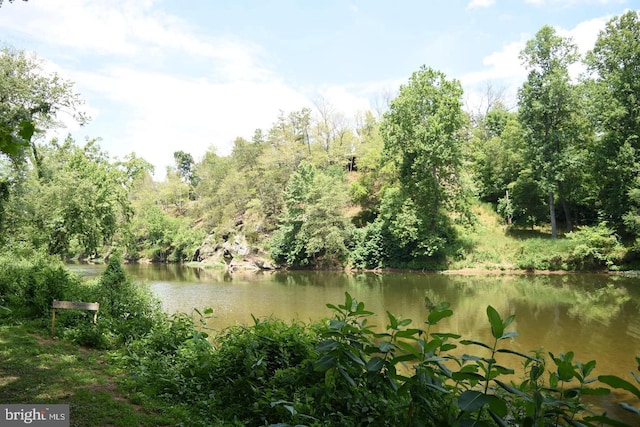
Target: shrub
594	247
30	286
343	372
369	251
239	379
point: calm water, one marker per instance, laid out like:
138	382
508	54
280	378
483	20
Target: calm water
596	316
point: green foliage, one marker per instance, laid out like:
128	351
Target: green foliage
541	254
31	99
246	378
161	237
421	132
594	247
614	62
341	371
346	371
528	205
370	249
75	204
497	161
314	230
622	384
550	113
30	286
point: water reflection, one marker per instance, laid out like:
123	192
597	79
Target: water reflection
595	315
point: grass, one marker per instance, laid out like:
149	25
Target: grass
37	369
492	245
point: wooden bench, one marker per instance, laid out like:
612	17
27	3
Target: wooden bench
74	305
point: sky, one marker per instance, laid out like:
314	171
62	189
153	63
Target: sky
158	76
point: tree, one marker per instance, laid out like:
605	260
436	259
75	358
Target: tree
30	101
185	167
76	203
614	63
548	110
421	133
332	134
496	154
313	230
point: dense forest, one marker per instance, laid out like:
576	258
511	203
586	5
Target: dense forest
393	188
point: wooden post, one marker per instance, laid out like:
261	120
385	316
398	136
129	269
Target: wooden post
53	322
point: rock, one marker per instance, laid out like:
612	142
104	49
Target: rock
236	253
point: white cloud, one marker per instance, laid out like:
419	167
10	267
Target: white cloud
344	99
159	110
476	4
501	65
167	113
585	34
504	66
131	31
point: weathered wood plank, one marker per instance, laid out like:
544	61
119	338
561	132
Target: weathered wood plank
92	306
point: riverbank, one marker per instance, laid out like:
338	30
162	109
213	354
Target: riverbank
485	245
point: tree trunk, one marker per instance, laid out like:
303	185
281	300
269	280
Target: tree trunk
565	208
436	204
552	215
509	214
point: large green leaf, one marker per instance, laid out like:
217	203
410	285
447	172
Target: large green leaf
474	342
374	364
497	327
513	390
327	345
26	130
325	363
436	316
617	382
471	376
472	400
517	353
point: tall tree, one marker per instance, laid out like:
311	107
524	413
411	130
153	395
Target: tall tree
421	133
615	94
314	230
548	109
185	167
30	99
76	203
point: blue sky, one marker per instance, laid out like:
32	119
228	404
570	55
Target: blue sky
159	76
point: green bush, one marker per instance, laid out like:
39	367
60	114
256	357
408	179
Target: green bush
343	372
127	309
239	379
370	248
29	286
594	248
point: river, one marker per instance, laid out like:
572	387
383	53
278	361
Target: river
594	315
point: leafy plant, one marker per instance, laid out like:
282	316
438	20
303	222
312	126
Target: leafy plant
620	383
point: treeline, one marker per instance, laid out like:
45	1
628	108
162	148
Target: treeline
320	190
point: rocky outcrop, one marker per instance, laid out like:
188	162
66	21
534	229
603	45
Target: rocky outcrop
235	252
